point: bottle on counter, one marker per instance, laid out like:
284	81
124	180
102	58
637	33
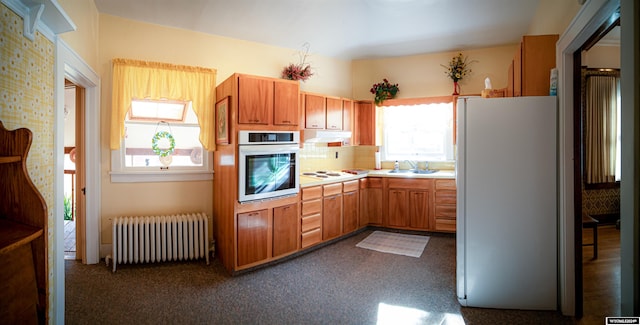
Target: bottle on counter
396	166
377	156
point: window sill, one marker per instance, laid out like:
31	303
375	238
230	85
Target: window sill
160	176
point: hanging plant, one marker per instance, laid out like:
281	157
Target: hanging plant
384	90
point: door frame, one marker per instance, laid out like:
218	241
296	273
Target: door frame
69	65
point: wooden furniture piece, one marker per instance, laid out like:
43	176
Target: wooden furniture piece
23	228
530	70
590	222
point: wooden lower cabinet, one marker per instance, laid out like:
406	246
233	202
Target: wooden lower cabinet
285	229
408	203
349	211
370	202
311	216
419	209
332	211
445	205
253	232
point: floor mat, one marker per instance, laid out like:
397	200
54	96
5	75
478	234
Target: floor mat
394	243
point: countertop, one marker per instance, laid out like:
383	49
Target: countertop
306	181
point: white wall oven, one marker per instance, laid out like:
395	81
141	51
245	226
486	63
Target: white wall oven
268	164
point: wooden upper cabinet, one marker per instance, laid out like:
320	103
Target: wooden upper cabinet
285	106
532	64
268	101
365	123
334	113
255	100
315	107
347	115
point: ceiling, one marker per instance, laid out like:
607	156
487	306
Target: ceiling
345	29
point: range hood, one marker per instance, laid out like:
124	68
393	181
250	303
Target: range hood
325	136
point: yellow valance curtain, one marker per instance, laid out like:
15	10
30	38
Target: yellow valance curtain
134	79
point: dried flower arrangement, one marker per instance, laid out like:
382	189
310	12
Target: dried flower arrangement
457	68
301	71
384	90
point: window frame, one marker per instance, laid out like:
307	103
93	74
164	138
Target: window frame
121	173
423	101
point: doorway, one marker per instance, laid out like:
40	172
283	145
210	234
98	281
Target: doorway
596	178
74	172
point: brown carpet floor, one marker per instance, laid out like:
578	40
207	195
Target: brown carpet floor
337	284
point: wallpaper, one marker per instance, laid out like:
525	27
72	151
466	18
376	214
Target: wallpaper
27	100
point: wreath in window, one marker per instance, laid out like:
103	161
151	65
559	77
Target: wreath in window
163	135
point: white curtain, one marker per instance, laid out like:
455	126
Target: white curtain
601	128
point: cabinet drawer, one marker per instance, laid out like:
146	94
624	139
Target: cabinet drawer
350	186
446	197
371	182
311	237
311	222
421	184
309	193
311	207
332	189
446	210
446	224
445	184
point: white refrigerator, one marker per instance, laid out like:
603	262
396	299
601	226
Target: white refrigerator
507	224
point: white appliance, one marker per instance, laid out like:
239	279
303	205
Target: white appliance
506	179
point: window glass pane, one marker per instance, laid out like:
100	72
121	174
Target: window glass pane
418	132
138	151
157	110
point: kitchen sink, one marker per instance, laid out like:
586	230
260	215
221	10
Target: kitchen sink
412	171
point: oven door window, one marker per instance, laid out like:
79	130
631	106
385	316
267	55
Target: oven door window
269	173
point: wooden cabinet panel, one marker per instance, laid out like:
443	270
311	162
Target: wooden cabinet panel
445	184
311	207
397	208
332	189
370	202
408	183
419	209
532	64
347	115
334	113
311	237
444	218
365	123
445	211
445	225
252	237
331	216
349	186
285	104
285	229
309	193
255	100
315	107
311	222
349	211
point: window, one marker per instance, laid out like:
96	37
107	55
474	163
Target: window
173	127
418	132
158	140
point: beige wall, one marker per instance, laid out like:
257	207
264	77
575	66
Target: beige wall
602	57
150	42
84	40
423	75
553	17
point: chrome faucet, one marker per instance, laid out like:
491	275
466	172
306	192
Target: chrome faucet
412	164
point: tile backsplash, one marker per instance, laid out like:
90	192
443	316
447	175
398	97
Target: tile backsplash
318	156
